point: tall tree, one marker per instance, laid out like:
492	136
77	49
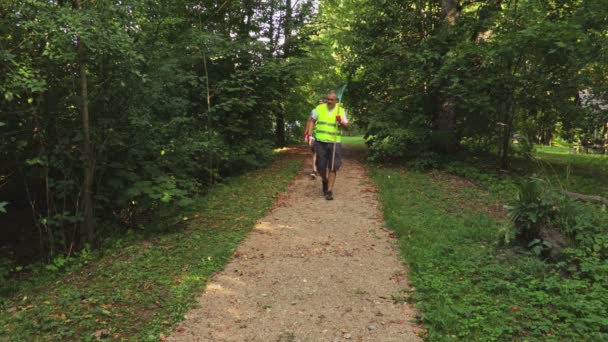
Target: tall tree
88	223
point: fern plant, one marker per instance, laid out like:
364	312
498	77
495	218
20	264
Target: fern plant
533	209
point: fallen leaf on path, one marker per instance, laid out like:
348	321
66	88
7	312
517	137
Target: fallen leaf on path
101	334
59	316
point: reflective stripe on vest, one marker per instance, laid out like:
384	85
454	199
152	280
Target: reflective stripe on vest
326	127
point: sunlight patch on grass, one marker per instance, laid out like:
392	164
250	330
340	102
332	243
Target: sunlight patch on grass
353	140
283	149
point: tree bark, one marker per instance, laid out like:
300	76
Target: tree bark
280	129
506	137
88	223
444	127
587	198
444	121
280	118
450	10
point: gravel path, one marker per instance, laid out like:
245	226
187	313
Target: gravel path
312	270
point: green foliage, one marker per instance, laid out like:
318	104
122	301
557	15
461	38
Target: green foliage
179	99
534	208
467	287
495	70
482	175
353	140
577	172
425	161
539	246
141	288
588	226
524	149
6	267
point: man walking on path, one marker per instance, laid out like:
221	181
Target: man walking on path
328	119
333	278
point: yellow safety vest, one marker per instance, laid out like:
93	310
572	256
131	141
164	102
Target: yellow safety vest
326	127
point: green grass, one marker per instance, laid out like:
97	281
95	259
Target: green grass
354	140
140	290
576	172
467	287
584	173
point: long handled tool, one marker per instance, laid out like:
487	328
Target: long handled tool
339	93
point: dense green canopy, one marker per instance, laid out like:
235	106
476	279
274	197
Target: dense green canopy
111	109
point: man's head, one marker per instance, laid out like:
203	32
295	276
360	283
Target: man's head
332	98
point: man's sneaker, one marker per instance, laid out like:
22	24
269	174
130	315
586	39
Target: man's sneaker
329	196
313	175
324	188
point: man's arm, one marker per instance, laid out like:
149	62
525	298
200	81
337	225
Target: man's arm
344	123
310	124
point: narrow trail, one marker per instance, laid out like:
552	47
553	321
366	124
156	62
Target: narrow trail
312	270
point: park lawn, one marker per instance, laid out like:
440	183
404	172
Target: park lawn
357	140
557	166
583	173
467	287
140	290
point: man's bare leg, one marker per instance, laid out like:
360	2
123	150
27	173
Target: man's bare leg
314	173
331	180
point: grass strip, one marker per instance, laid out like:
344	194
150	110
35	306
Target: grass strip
578	172
468	288
142	290
356	140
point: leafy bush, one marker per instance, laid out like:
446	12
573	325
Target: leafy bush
546	221
524	148
5	268
425	161
588	226
398	143
533	209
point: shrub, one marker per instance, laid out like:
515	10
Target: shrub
534	209
398	144
524	148
425	161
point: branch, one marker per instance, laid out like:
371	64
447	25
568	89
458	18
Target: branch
586	198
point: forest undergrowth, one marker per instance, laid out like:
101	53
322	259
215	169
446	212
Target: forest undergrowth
473	279
139	289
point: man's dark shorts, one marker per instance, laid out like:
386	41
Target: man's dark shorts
324	153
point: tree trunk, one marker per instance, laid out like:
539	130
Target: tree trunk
444	121
506	137
450	10
444	127
280	118
88	223
586	198
287	29
280	129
